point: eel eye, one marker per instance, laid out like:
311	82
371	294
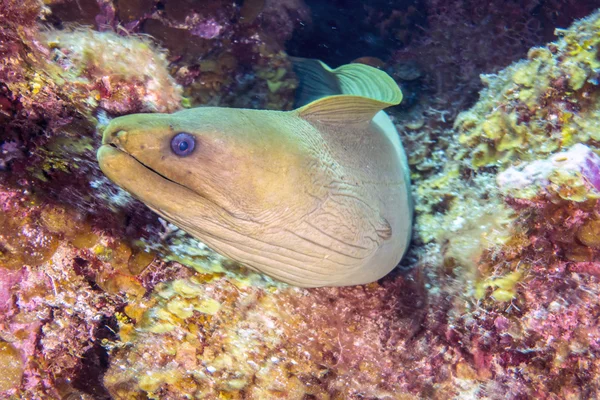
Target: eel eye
183	144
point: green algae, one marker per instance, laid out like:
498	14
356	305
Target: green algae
539	105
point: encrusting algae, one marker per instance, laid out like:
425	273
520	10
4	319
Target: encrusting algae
62	282
219	338
527	112
12	367
93	63
539	105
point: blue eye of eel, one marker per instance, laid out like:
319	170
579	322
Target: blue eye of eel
183	144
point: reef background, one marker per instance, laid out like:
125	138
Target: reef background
499	296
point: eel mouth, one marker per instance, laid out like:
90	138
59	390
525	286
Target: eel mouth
133	175
148	185
145	166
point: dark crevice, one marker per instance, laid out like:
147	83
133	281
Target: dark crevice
95	362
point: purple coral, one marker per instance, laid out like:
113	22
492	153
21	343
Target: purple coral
579	160
207	29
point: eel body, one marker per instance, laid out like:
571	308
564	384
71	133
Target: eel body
317	196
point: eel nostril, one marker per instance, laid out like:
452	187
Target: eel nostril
116	137
119	135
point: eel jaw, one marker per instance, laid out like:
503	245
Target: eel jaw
113	150
144	183
116	139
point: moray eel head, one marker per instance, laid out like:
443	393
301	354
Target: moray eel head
210	171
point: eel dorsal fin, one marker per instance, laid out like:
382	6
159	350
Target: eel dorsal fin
354	92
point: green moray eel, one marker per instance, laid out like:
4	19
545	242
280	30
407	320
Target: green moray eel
317	196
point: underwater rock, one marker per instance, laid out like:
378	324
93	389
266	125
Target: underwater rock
212	47
61	282
540	105
80	11
517	228
280	18
451	57
120	85
572	175
221	337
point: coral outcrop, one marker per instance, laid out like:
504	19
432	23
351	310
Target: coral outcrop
221	338
513	216
539	105
220	52
117	84
62	282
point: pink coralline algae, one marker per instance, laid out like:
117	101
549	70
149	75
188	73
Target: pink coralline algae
61	283
207	29
578	167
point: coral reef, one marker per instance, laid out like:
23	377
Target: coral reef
60	287
118	85
512	218
498	297
561	78
243	341
462	40
218	50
